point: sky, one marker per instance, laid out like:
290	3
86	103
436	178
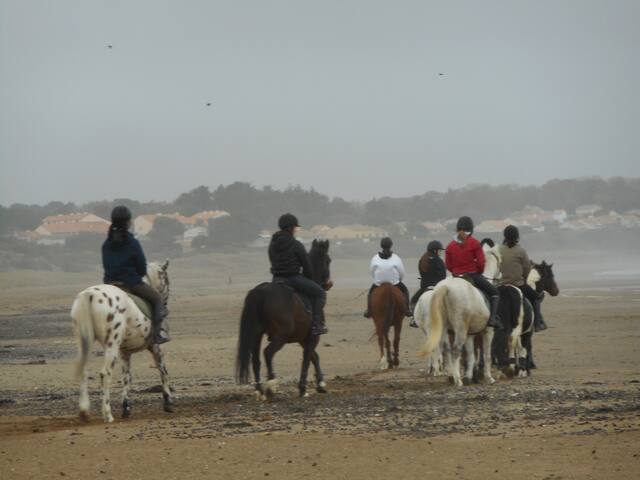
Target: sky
358	99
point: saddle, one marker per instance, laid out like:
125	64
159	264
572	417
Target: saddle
306	301
469	279
144	306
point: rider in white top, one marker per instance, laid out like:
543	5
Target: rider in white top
386	270
387	267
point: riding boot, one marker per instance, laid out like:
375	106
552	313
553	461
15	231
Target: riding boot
317	326
494	319
160	334
538	320
367	312
408	312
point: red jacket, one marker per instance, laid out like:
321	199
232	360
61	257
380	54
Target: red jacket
466	257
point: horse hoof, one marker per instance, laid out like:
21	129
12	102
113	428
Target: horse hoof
452	381
84	416
168	408
466	381
321	389
126	413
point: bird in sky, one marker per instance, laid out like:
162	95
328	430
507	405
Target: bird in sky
208	104
440	74
109	46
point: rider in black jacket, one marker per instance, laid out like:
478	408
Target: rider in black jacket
288	259
432	270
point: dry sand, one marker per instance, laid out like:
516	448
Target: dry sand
577	416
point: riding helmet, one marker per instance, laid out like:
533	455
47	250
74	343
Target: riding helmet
386	243
465	224
120	214
511	233
287	221
434	246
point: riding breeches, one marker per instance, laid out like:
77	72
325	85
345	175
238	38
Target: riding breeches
151	295
310	288
483	284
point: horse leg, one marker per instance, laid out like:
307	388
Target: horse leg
396	344
384	364
126	383
321	386
456	352
487	341
445	346
387	345
110	356
308	348
471	360
84	403
270	350
523	370
158	357
255	361
527	343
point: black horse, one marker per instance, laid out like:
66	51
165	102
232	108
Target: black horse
542	275
276	310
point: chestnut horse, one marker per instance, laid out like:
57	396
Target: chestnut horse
387	310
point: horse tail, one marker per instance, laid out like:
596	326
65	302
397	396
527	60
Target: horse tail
83	320
249	331
437	322
391	310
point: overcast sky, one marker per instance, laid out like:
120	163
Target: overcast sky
345	96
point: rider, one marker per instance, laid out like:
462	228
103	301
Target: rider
125	265
288	257
432	270
515	268
387	267
464	256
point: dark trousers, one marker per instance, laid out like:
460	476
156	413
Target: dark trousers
483	284
151	295
308	287
529	293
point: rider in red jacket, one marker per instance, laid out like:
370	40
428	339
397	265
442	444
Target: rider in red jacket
464	256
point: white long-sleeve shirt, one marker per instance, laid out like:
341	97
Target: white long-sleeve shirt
390	270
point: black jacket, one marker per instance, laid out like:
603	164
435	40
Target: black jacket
123	262
288	256
432	270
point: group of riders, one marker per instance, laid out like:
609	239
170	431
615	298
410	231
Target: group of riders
125	266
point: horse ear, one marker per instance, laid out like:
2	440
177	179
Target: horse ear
550	265
315	242
165	265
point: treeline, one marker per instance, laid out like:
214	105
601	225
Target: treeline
253	209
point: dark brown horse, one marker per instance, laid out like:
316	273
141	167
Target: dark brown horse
387	310
275	310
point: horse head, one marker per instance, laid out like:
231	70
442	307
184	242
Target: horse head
158	278
546	282
320	263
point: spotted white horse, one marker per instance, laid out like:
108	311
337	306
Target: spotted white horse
107	314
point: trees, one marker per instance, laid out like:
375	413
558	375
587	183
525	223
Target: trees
165	231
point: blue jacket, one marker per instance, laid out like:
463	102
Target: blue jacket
123	262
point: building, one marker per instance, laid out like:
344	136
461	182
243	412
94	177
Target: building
56	228
143	224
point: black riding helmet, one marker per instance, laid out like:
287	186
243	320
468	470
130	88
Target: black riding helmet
287	221
386	243
511	233
120	215
434	246
465	224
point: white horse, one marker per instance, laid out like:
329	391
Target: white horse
457	306
107	314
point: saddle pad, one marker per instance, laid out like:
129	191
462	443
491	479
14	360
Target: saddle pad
143	305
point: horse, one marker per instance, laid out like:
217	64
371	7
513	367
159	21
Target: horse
387	310
109	315
459	307
542	279
435	361
277	311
